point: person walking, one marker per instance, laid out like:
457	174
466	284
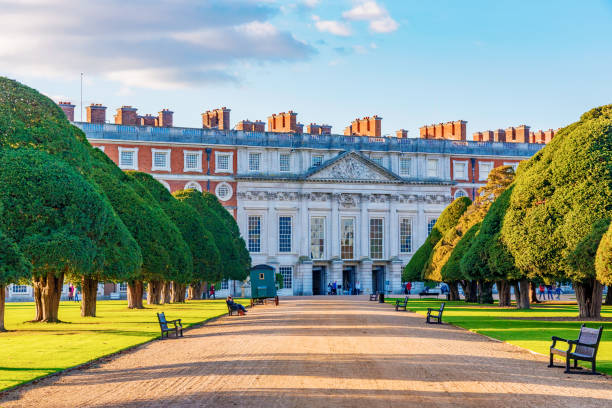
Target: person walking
549	292
70	292
542	293
357	288
212	291
329	288
558	291
76	294
408	287
334	288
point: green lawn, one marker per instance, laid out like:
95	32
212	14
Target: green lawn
31	350
532	334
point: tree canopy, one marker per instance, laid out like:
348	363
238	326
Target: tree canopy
447	219
603	259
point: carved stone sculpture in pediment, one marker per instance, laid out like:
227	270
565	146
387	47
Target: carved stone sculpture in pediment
347	200
350	168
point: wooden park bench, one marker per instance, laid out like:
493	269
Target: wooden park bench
374	296
428	293
163	325
586	348
231	310
401	305
435	314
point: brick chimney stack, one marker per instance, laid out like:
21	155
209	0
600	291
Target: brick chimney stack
401	134
449	131
499	135
126	115
284	122
216	119
164	118
68	109
147	120
96	113
368	126
315	129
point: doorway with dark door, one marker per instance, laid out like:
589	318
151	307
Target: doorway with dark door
378	278
319	287
348	280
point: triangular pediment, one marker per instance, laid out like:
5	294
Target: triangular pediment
352	166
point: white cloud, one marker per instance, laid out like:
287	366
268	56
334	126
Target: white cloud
378	17
311	3
155	44
332	26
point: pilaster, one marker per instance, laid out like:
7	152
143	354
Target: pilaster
336	271
363	226
365	275
335	227
305	277
395	275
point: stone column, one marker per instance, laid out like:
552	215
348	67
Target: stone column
336	271
395	275
335	227
365	275
305	269
420	225
270	238
393	222
364	228
303	229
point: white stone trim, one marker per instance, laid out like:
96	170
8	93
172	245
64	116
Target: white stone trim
231	191
199	161
465	175
134	165
194	185
168	167
230	162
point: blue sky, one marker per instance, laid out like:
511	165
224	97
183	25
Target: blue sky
494	64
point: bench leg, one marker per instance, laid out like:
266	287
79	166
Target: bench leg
567	365
550	364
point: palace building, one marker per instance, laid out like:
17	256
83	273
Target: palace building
317	207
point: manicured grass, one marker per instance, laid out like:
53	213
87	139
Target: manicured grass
532	334
32	350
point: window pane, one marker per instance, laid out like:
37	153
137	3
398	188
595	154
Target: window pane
317	237
191	161
404	166
284	234
430	224
254	232
160	159
347	238
460	193
287	272
484	170
460	171
406	235
224	284
284	163
254	159
317	160
432	168
223	162
20	289
223	192
376	238
127	159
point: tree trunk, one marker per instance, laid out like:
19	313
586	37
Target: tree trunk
154	292
89	289
503	290
470	289
609	296
178	292
2	295
589	296
182	293
49	294
195	291
523	294
165	295
453	291
485	292
135	292
534	293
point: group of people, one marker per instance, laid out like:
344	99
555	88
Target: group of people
332	288
546	292
73	293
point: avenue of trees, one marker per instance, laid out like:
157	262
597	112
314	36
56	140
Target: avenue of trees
68	213
548	223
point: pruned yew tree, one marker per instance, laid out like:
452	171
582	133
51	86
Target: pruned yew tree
179	263
220	233
447	220
204	252
603	263
14	268
559	196
57	218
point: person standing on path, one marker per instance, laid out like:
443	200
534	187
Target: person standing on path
357	288
212	291
558	290
70	292
542	293
549	292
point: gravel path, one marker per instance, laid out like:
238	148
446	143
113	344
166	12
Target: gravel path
320	352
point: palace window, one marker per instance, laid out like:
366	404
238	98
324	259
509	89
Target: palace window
432	168
317	160
223	162
405	235
284	234
223	191
460	193
376	238
254	161
19	289
430	224
123	287
484	168
128	158
347	238
513	165
460	170
405	164
317	237
224	284
287	273
193	185
254	233
284	162
160	160
192	161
